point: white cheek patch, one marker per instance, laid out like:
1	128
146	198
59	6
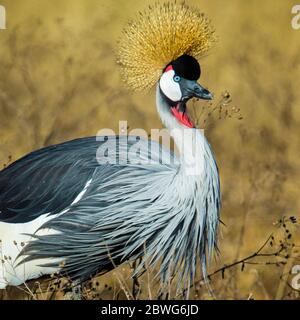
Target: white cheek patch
169	87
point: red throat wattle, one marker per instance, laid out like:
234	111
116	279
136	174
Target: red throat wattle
182	117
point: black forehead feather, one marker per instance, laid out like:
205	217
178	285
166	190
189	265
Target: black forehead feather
187	67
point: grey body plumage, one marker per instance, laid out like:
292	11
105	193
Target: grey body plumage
128	211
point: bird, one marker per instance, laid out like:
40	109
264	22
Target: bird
82	207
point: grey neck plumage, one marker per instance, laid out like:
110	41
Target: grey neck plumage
190	142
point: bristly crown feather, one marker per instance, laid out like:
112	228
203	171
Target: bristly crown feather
160	34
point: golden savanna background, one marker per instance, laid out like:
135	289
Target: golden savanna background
59	81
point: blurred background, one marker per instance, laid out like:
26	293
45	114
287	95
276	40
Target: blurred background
59	81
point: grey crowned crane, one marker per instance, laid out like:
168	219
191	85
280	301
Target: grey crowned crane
63	209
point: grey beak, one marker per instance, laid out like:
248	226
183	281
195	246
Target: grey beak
201	93
191	88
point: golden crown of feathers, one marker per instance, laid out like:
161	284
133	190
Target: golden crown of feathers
158	36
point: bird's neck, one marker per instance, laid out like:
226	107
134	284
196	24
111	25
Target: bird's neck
190	142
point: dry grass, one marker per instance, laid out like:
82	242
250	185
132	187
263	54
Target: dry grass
59	81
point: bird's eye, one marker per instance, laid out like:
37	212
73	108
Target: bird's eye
176	78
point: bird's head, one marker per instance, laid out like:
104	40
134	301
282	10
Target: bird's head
178	84
161	46
179	80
